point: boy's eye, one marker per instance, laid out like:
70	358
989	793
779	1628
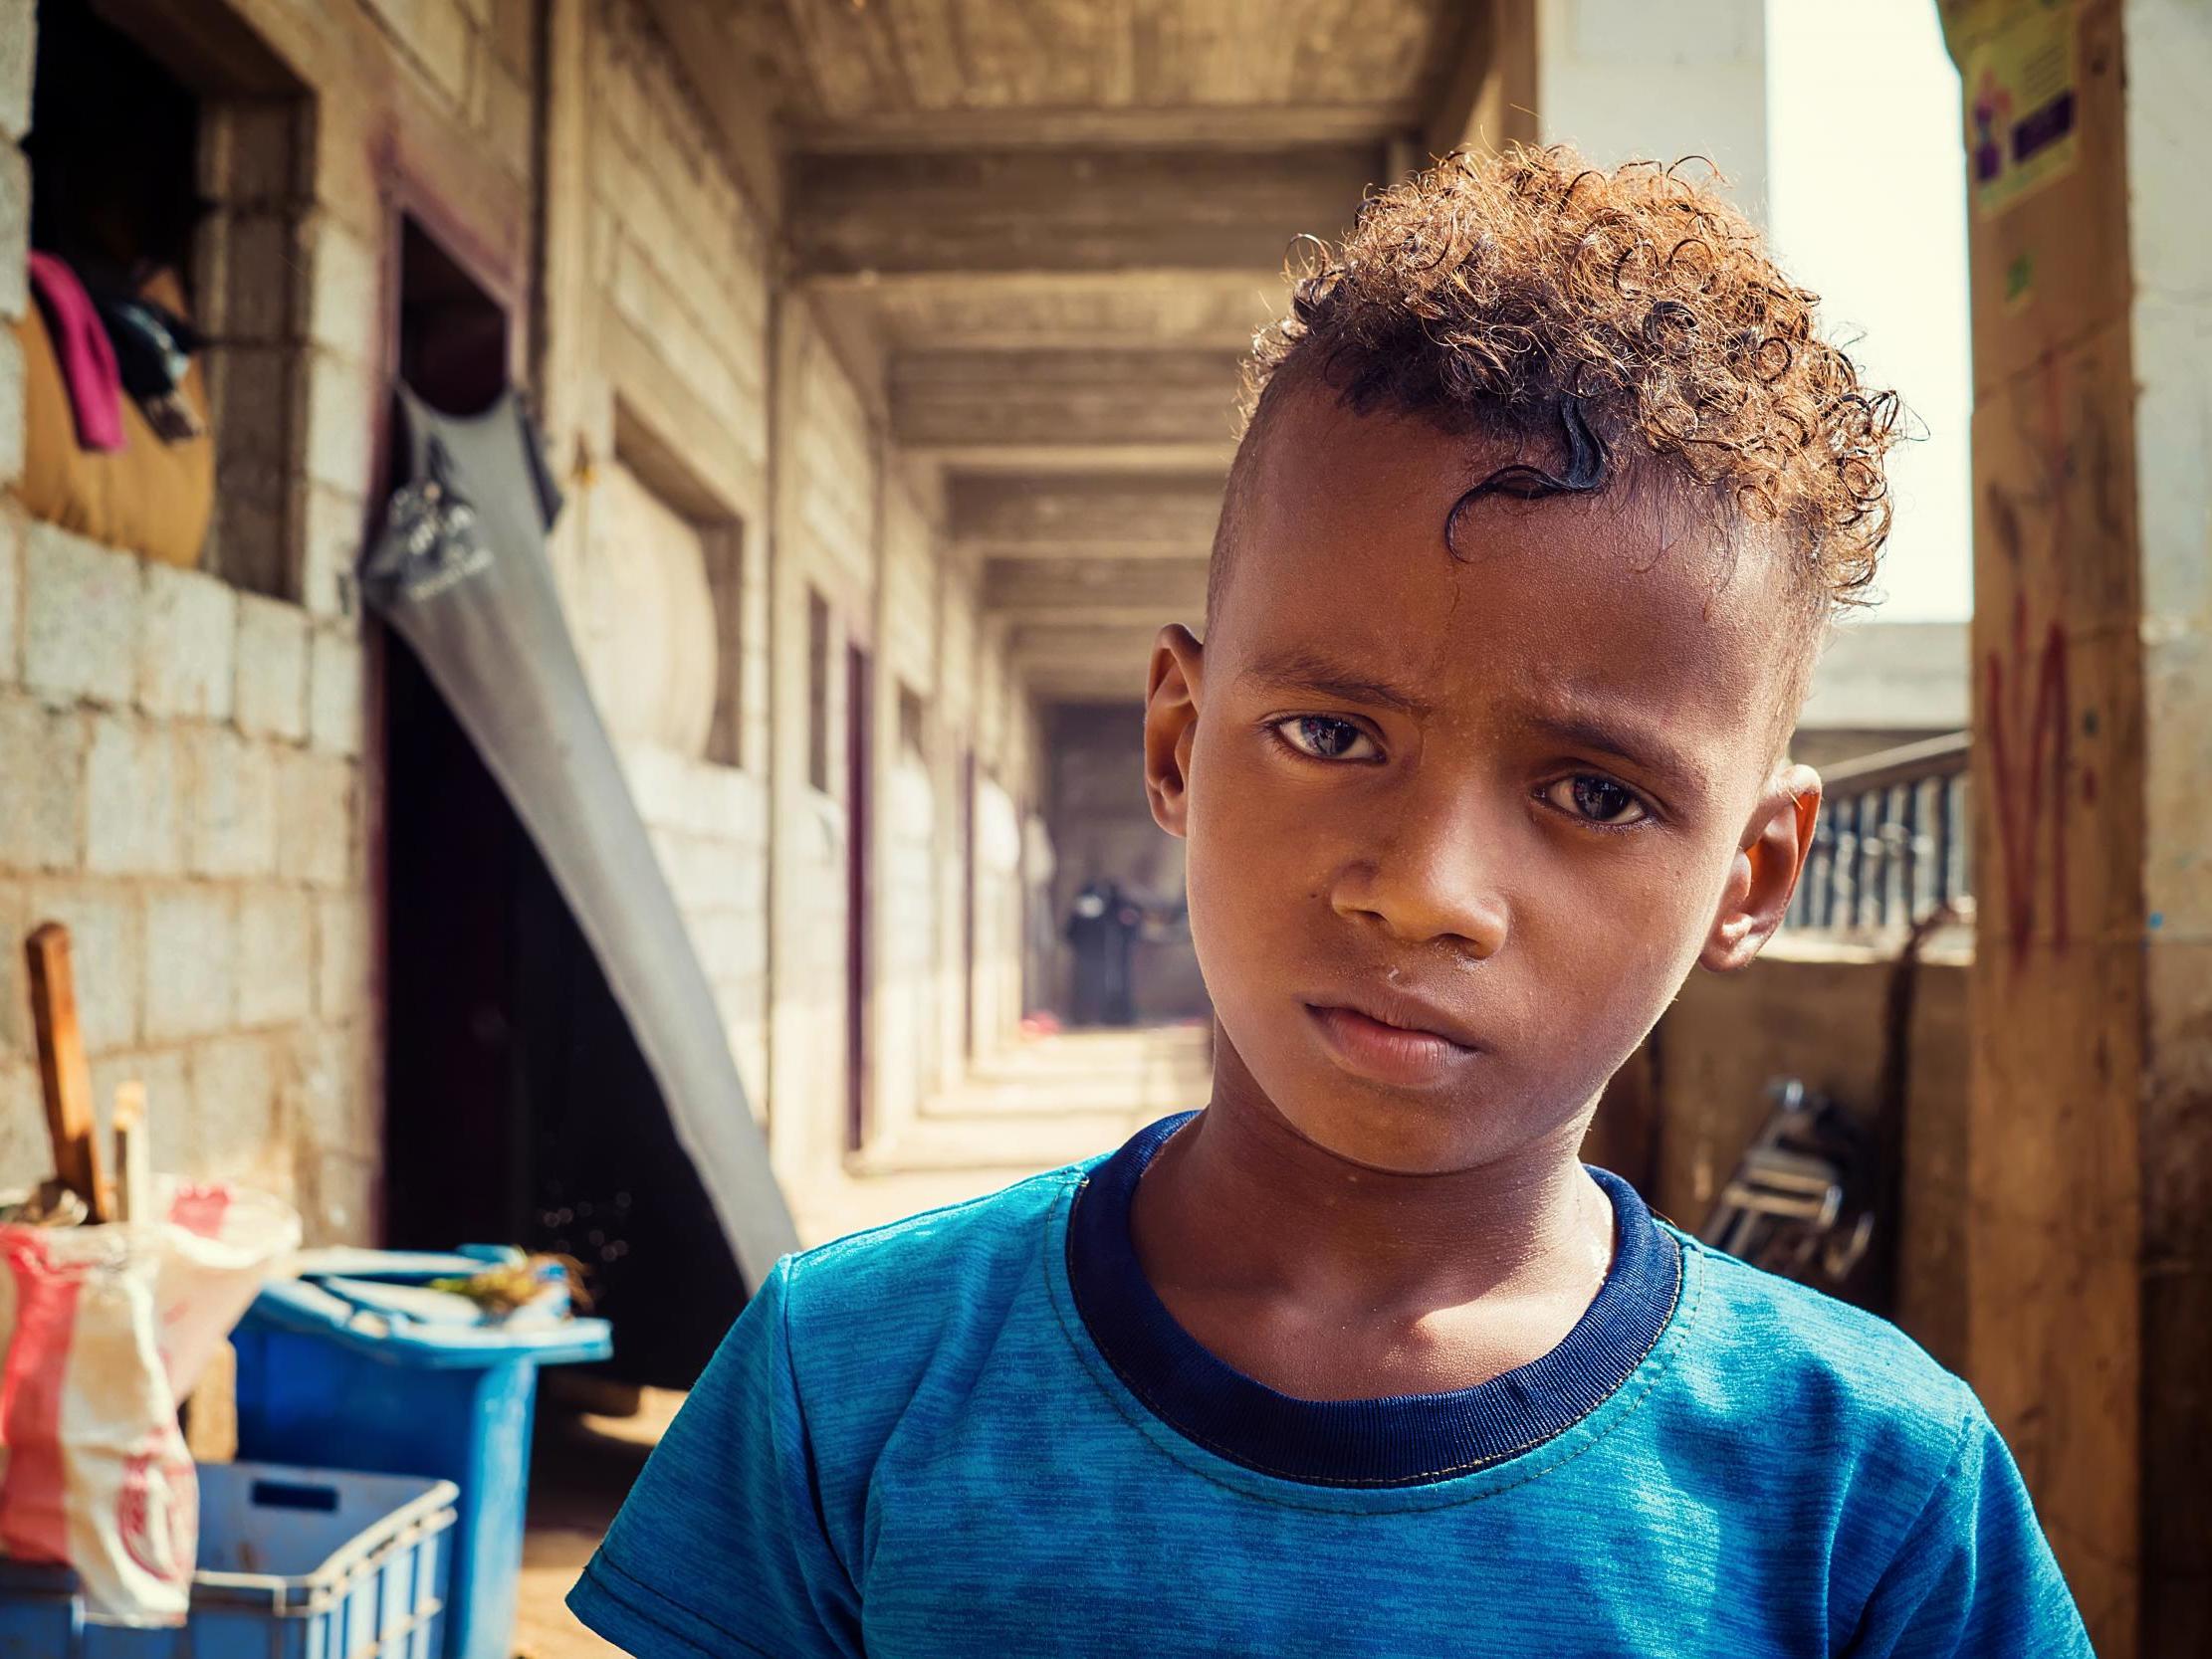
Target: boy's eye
1597	800
1321	737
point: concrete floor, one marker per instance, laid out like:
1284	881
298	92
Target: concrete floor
1043	1102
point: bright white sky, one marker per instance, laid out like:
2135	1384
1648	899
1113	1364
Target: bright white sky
1866	199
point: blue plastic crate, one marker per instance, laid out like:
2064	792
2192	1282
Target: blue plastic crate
294	1563
331	1366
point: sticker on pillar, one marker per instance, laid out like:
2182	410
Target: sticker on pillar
2022	108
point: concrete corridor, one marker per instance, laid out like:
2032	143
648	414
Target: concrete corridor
1035	1104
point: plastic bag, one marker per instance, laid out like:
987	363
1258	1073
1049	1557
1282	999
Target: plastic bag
104	1330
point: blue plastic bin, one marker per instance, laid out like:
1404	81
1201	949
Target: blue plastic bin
294	1563
328	1373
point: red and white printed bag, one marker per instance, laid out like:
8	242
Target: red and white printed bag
102	1330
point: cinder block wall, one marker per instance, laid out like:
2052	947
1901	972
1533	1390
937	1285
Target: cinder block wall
188	773
184	789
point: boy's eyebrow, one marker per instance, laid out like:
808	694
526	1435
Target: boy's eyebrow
1309	671
1630	739
1572	721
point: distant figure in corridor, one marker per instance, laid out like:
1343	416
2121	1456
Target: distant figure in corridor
1102	928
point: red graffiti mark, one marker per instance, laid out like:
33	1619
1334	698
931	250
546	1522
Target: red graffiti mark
2022	804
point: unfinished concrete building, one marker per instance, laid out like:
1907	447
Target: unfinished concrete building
885	357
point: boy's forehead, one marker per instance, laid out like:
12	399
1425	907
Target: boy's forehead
1632	594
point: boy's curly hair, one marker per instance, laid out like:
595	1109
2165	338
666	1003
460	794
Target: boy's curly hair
1627	315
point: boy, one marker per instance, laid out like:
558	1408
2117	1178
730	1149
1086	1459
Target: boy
1547	497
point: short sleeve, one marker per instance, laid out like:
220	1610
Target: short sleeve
719	1548
1974	1574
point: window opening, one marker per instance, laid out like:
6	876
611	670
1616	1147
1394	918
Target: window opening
912	715
817	691
692	558
163	155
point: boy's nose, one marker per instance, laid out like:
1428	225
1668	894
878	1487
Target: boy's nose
1431	882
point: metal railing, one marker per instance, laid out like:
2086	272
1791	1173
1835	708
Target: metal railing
1891	846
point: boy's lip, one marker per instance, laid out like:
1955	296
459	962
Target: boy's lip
1391	1041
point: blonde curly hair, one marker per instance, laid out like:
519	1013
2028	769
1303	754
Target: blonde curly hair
1629	316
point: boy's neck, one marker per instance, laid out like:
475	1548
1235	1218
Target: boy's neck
1240	1204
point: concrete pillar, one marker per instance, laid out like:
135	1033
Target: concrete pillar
1622	79
2089	1200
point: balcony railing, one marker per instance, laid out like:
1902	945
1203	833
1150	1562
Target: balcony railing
1892	841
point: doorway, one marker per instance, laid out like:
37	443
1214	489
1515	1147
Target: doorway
859	894
519	1108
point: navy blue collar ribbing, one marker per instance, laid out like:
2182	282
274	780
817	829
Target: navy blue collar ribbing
1402	1440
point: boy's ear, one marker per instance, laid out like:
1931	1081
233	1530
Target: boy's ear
1764	874
1172	724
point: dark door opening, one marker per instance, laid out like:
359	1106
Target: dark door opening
519	1108
860	764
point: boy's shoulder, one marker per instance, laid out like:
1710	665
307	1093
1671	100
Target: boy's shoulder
914	1274
1818	1366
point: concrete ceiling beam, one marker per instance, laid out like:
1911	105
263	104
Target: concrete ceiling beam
1176	409
1078	209
1010	311
1230	127
1086	515
1094	592
1069	647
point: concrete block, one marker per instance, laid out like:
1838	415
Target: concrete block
271	694
314	818
26	1158
19	49
15	221
247	544
261	255
231	795
332	1090
42	786
341	409
134	799
502	111
11	407
250	387
656	780
16	1037
191	962
339	1199
514	32
168	1085
331	527
275	955
346	305
237	1083
344	965
187	661
443	39
251	155
13	524
106	947
720	797
337	691
80	616
347	178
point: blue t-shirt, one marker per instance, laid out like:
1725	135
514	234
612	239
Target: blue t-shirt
978	1431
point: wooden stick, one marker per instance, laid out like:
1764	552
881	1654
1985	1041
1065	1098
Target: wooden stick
68	1080
134	1154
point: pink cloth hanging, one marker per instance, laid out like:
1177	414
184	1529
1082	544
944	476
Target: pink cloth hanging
86	355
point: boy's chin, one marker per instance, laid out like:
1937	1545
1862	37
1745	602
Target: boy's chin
1399	1136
